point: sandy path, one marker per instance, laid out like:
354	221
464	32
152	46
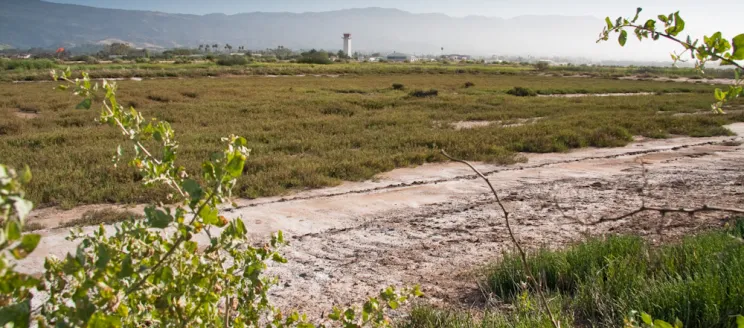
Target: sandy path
434	224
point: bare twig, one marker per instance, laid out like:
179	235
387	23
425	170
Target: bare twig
536	284
664	210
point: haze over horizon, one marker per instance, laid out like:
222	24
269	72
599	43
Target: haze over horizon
578	43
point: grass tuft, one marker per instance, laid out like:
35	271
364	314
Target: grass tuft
698	281
522	92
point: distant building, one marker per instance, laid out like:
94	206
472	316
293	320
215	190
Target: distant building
400	57
347	44
456	57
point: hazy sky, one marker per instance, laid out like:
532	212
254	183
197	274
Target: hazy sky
725	15
721	15
711	9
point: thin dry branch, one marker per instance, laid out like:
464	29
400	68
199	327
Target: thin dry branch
645	208
664	210
536	284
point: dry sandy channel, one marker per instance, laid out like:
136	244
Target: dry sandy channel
436	224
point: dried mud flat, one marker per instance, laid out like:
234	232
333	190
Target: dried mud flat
436	225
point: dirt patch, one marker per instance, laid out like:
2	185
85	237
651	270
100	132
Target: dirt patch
681	80
580	95
464	125
26	115
435	224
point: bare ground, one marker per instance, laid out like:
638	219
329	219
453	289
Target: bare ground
436	224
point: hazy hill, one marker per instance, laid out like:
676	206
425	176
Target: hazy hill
32	23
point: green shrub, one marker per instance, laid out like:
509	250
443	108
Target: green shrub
522	92
468	85
141	60
183	60
398	86
542	66
424	93
232	61
315	57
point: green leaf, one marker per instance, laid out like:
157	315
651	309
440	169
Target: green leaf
662	324
13	230
26	176
193	188
100	320
417	291
104	256
157	218
638	12
720	95
650	24
278	258
393	304
235	166
126	267
678	323
663	18
62	87
623	38
738	43
609	23
739	321
209	215
647	318
16	315
335	314
28	244
679	24
85	104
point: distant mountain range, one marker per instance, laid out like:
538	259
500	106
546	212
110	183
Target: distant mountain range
34	23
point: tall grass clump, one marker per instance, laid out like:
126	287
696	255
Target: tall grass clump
699	280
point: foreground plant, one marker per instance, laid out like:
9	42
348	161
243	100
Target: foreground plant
16	289
713	48
152	272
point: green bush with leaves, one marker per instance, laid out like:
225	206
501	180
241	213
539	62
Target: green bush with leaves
151	272
16	289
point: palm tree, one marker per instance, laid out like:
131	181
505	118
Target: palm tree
228	47
215	46
201	47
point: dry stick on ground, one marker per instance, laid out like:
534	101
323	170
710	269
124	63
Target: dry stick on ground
645	208
530	277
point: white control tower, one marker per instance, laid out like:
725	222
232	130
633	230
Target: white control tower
347	44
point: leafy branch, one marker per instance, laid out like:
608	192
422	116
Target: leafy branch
713	48
151	271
